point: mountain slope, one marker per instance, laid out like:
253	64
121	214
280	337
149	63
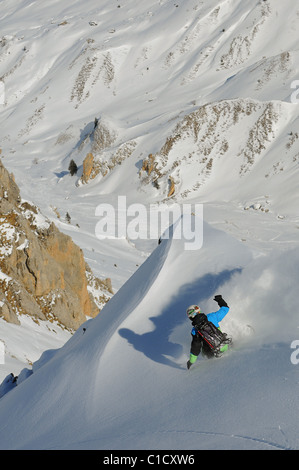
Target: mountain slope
118	64
201	92
141	80
130	365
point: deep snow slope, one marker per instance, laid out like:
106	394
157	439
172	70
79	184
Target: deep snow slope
123	383
145	69
140	69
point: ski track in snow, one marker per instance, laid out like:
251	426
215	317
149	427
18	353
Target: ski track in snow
264	442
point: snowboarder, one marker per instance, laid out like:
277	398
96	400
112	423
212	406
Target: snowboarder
198	344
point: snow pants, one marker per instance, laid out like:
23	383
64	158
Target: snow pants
198	346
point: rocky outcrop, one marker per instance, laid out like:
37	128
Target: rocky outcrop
101	138
148	164
88	168
42	272
241	130
104	151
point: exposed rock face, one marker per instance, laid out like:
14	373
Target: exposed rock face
101	138
240	129
42	272
105	152
88	167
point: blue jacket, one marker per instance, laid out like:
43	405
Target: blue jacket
216	317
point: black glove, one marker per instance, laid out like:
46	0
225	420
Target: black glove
220	301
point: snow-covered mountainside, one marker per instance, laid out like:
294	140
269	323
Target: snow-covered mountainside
123	383
159	102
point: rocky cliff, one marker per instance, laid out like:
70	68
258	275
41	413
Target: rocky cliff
42	272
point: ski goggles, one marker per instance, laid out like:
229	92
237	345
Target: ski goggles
193	311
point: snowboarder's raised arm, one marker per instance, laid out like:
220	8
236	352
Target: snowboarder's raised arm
216	317
220	301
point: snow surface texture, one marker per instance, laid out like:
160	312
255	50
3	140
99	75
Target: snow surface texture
123	383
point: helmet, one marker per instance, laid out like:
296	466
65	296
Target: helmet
192	311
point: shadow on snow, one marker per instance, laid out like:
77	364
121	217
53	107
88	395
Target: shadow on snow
156	344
